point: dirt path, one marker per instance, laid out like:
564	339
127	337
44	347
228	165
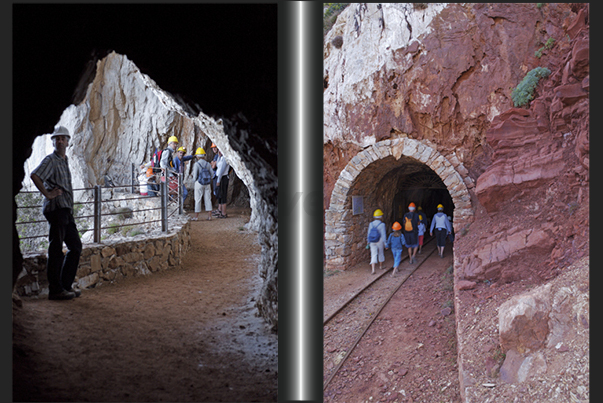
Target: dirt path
187	334
409	353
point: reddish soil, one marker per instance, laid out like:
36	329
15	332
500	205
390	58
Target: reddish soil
409	353
187	334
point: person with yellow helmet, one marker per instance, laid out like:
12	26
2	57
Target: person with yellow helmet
442	228
410	224
179	159
167	157
396	242
203	174
376	237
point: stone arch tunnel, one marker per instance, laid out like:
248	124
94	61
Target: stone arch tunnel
389	175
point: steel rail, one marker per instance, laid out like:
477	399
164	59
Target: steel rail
353	297
370	322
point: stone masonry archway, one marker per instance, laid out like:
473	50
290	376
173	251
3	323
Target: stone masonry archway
344	231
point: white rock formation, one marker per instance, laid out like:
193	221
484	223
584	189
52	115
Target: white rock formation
369	45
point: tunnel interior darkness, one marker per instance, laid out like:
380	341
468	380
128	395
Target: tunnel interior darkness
426	190
400	182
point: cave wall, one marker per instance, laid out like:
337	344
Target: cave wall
124	116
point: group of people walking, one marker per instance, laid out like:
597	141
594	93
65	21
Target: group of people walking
410	234
205	173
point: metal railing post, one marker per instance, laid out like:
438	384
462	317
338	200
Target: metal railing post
133	177
180	196
97	213
164	204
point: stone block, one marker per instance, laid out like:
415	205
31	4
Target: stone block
397	150
149	251
107	251
95	263
523	320
155	264
128	270
518	368
133	257
88	280
108	275
83	269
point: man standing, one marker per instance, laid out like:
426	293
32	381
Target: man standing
53	179
167	164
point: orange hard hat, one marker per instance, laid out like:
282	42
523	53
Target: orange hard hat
213	145
396	226
411	205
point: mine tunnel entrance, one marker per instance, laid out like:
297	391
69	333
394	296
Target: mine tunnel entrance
389	175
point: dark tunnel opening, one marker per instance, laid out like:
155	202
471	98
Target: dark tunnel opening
426	191
412	182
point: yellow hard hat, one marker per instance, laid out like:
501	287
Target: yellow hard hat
440	206
200	151
378	213
183	149
173	139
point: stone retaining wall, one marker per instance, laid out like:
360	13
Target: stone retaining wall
113	260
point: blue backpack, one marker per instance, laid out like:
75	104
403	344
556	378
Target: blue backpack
374	235
204	176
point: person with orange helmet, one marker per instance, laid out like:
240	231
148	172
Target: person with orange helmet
410	225
396	242
376	239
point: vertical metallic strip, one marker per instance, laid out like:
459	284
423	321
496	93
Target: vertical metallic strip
300	201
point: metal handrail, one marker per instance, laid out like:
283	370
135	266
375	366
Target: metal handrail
164	192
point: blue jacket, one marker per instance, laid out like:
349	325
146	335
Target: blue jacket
395	243
179	165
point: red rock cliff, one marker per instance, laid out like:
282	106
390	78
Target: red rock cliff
444	74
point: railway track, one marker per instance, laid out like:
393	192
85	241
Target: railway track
344	328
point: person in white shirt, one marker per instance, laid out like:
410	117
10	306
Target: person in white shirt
442	227
377	245
202	190
222	183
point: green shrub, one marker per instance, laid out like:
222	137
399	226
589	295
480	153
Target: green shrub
548	45
524	92
113	228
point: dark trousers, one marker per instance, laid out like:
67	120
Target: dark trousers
441	236
60	268
223	190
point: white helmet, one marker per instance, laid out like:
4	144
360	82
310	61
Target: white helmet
60	131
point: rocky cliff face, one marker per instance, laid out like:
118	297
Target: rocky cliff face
124	116
443	75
